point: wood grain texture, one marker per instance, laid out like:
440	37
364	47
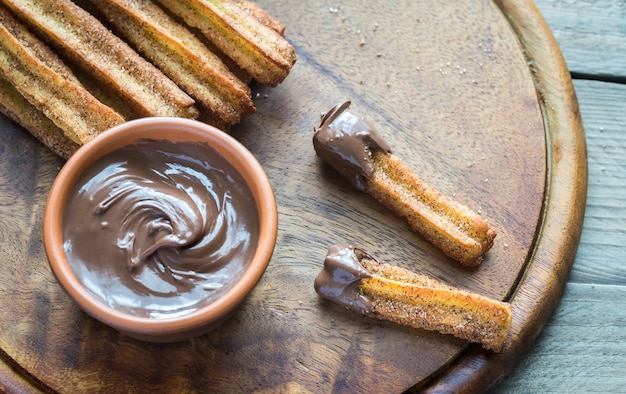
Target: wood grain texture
591	34
553	254
443	106
581	349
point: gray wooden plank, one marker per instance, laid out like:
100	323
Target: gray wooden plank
601	257
582	349
591	34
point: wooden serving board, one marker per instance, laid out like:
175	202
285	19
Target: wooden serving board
474	96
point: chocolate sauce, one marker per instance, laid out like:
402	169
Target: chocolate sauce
346	141
159	228
340	278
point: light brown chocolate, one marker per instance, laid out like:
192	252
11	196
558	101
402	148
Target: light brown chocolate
160	229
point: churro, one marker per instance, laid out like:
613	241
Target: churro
353	278
181	56
85	40
18	109
254	46
35	46
71	107
182	72
355	149
263	16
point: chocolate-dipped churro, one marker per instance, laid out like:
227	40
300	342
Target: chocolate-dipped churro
353	147
353	278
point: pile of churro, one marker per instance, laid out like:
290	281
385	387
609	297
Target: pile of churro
71	70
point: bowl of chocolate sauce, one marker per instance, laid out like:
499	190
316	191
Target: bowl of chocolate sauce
160	227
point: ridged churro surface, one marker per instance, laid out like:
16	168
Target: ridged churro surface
18	109
455	229
70	107
132	59
254	46
181	56
353	278
85	40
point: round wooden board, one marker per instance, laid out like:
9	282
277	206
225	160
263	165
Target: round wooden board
474	96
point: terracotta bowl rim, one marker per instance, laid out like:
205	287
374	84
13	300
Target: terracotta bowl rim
233	151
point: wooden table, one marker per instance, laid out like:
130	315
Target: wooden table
595	342
582	348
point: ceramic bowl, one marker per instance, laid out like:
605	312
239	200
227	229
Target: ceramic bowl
204	318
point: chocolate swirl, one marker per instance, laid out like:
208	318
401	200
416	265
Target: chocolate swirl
160	228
